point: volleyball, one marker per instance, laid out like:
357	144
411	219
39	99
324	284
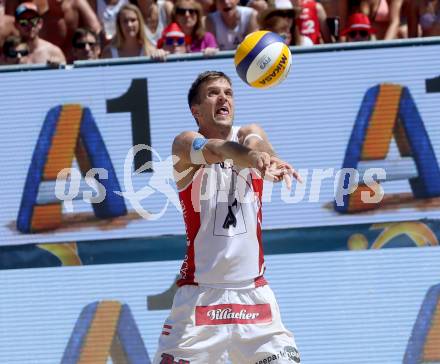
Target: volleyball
263	60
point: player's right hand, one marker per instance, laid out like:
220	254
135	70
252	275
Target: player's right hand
260	161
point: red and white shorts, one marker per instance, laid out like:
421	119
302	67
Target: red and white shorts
210	325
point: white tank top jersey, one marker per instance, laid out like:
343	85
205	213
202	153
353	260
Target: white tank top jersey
222	214
229	39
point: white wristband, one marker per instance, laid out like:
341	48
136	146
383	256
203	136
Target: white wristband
250	136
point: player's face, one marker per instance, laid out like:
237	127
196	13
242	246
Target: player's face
216	106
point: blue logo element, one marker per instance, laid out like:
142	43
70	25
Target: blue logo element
199	143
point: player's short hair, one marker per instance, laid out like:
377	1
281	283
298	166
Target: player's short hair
194	94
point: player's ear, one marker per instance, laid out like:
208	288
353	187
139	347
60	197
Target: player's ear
195	113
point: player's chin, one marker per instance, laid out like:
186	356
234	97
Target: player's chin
225	120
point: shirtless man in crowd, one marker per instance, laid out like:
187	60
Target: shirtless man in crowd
29	23
60	20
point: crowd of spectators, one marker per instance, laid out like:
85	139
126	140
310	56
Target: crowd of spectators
63	31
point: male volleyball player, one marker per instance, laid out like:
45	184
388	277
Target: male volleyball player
224	307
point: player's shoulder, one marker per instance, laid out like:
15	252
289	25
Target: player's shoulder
250	128
185	138
187	134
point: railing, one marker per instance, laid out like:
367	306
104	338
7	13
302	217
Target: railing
230	54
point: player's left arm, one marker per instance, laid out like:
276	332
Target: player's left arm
254	137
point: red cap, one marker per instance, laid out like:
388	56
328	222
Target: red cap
172	30
358	21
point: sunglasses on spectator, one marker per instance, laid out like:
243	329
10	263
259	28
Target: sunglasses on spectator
182	11
32	21
176	41
12	53
362	33
83	45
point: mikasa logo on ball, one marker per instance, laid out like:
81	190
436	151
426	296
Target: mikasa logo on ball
264	61
280	67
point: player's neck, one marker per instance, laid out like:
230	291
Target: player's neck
224	133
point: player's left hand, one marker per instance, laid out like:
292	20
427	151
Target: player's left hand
280	170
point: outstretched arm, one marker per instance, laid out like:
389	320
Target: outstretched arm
191	150
255	138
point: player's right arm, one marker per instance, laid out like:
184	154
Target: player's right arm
191	150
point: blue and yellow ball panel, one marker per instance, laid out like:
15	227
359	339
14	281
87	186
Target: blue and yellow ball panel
263	59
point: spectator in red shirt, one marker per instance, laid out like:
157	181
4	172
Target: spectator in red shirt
312	21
